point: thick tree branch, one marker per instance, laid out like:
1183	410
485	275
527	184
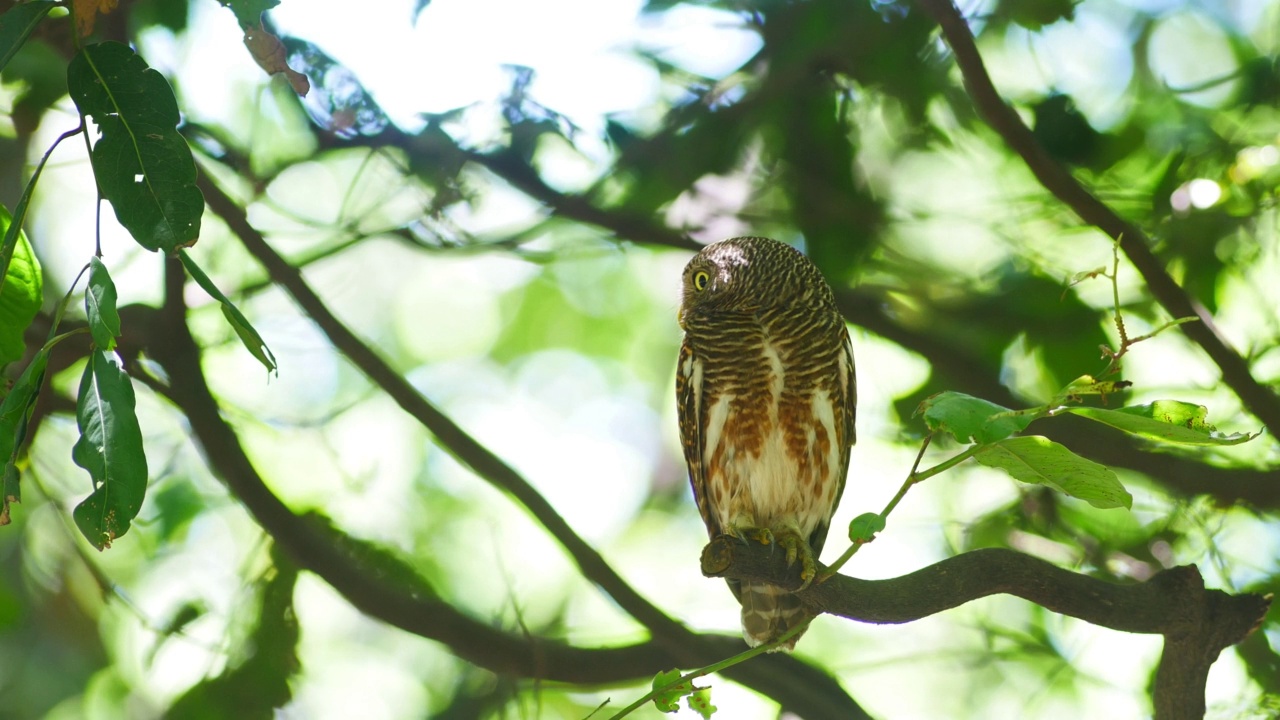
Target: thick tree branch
1002	118
797	686
450	436
1197	623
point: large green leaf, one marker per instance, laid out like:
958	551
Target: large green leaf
100	306
971	419
1040	461
16	26
1171	421
143	166
20	296
110	448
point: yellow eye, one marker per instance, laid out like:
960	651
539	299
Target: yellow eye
700	280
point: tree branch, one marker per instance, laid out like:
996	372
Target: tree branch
970	375
1002	118
451	437
797	686
864	310
959	369
1197	623
965	373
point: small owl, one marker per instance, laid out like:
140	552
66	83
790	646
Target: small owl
765	393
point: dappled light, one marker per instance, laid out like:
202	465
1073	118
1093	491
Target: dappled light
342	351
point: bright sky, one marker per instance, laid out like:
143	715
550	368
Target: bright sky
582	50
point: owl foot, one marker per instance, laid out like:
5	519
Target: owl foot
764	536
798	549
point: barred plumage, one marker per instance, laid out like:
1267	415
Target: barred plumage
766	394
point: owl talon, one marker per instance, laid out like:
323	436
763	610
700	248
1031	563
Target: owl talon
798	549
764	536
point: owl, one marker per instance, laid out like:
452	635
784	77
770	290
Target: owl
765	394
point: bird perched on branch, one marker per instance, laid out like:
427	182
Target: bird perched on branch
765	394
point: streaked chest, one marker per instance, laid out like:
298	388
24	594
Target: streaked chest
771	408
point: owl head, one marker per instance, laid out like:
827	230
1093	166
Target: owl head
746	275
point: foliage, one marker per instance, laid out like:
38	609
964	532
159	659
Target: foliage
502	272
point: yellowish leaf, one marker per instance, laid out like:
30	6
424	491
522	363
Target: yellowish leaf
86	13
269	53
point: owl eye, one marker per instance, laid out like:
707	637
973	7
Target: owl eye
700	280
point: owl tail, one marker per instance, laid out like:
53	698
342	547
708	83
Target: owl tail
768	611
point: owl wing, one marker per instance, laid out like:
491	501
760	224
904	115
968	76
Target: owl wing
845	410
689	407
849	407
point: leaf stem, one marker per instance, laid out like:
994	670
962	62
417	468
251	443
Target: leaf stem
713	668
20	210
913	478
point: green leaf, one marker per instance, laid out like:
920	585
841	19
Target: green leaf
1087	385
253	342
17	24
16	409
863	529
15	413
668	700
971	419
22	292
100	306
143	166
1039	461
110	448
249	12
700	702
17	404
1170	421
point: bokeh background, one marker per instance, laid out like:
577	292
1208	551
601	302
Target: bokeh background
499	196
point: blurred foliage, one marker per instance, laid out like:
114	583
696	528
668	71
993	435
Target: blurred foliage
518	261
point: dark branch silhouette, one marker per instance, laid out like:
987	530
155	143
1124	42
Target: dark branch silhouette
795	685
1197	623
451	437
1259	399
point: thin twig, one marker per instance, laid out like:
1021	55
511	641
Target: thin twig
1002	118
913	478
715	668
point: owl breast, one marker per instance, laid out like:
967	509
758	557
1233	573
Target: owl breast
772	446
